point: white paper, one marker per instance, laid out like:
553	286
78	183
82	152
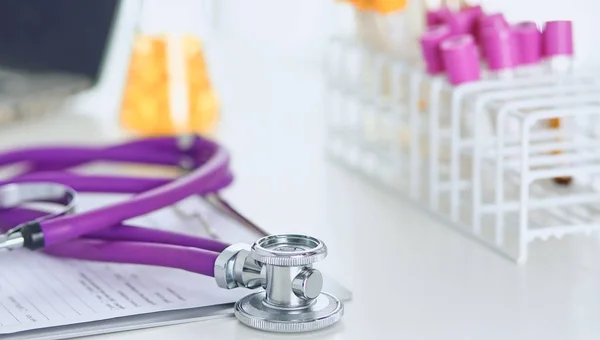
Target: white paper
38	291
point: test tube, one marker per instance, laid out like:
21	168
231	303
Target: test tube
437	17
500	50
528	41
434	64
461	59
461	65
430	46
486	22
505	59
464	21
557	46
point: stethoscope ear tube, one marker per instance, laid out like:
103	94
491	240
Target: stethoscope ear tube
30	235
213	174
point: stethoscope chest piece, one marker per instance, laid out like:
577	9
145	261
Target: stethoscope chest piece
323	312
292	300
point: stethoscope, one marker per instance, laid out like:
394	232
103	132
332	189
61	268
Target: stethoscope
292	299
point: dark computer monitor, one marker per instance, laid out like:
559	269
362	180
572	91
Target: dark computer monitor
56	36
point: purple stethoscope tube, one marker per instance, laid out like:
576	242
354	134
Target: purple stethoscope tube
129	244
99	234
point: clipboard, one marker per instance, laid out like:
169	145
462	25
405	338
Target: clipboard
190	211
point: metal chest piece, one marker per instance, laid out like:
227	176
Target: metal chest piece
282	264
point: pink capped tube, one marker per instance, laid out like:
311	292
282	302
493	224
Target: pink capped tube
475	13
430	47
461	59
485	21
437	17
500	49
464	22
528	41
557	38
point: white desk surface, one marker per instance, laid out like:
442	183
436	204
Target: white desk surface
412	277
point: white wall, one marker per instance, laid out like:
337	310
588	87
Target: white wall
293	27
300	27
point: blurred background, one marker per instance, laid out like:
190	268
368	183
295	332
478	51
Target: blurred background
290	32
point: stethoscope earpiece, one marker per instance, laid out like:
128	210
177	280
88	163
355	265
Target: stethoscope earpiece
293	300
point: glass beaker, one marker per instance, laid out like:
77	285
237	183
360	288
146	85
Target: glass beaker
168	88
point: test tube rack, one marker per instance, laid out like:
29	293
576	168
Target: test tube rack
482	156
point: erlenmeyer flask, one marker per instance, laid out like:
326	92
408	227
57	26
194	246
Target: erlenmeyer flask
168	88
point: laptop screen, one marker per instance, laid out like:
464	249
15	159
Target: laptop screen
69	36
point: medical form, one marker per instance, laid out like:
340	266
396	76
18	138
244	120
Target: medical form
40	291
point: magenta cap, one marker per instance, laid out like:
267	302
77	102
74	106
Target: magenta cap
474	11
463	22
461	59
430	46
437	17
500	48
557	38
528	40
495	20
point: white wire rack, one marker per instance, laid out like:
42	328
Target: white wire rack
485	156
